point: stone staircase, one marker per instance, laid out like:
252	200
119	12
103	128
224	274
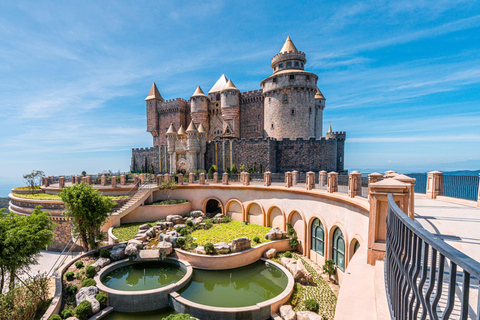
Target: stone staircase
138	199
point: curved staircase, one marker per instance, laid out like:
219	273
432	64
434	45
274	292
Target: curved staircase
139	197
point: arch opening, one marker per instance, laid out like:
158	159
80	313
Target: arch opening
338	249
318	237
212	208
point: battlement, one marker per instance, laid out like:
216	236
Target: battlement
172	102
252	93
291	55
144	149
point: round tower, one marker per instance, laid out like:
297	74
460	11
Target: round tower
230	106
319	106
289	92
199	108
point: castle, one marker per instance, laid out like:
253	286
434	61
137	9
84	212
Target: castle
276	128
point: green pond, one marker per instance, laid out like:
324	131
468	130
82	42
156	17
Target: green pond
149	315
144	276
240	287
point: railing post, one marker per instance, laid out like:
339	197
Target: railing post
434	184
122	179
411	193
166	177
242	176
61	182
136	180
322	178
294	178
377	220
225	178
159	179
310	182
114	181
390	174
191	177
372	178
201	178
332	184
215	177
84	180
288	179
354	183
89	178
103	180
180	179
267	178
246	179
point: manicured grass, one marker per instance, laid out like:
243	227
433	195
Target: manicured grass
167	202
128	231
226	232
45	196
27	188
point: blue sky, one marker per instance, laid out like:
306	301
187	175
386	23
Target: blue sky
402	78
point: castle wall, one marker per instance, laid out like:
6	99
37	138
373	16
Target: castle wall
176	111
145	159
251	114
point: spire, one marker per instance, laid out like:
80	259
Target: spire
288	46
201	129
181	131
153	94
191	127
319	95
329	128
198	93
218	86
230	86
171	129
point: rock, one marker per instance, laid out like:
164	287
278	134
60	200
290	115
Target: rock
197	213
276	234
181	225
95	304
218	216
151	233
241	244
141	237
118	254
100	263
135	242
200	250
198	220
308	315
142	231
222	247
131	250
165	237
270	253
144	227
164	248
284	261
86	292
287	313
120	246
306	277
72	318
175	218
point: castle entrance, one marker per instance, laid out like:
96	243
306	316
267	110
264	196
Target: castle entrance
183	166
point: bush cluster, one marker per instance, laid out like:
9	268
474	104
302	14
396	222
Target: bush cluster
72	290
83	311
69	276
55	317
67	313
294	242
89	283
105	253
102	298
181	242
287	254
90	271
256	239
209	249
311	305
79	264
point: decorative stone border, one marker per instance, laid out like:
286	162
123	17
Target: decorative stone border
145	300
26	191
232	260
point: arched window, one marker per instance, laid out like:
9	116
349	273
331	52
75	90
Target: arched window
338	250
217	97
318	237
356	246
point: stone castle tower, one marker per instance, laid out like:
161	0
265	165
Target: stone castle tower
289	106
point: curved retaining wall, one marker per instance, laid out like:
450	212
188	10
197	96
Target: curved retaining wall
138	301
232	260
155	212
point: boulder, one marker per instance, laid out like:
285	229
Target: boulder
222	247
141	237
164	225
120	246
198	220
95	304
308	315
270	253
165	237
306	277
287	313
175	218
151	233
144	227
197	213
101	262
276	234
118	254
200	250
241	244
218	216
164	248
131	250
135	243
86	292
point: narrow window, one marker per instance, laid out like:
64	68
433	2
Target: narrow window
307	77
218	97
301	65
292	77
258	117
274	80
293	112
296	63
248	118
280	65
289	64
338	250
310	109
318	237
272	126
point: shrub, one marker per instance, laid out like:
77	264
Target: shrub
291	230
256	240
69	276
178	316
83	311
102	298
181	242
89	283
90	271
72	290
311	305
209	248
329	268
287	254
184	232
55	317
296	294
294	242
79	264
189	223
96	254
105	253
67	313
178	229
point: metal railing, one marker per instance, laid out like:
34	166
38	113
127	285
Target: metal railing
420	183
464	187
425	277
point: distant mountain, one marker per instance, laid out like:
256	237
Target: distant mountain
4	203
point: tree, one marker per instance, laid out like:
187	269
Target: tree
212	170
84	173
88	210
329	268
33	179
167	187
21	239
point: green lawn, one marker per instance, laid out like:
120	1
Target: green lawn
226	232
128	231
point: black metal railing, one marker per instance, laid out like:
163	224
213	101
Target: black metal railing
464	187
425	277
420	183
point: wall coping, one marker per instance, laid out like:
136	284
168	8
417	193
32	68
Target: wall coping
11	196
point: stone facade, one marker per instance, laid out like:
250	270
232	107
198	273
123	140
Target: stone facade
278	127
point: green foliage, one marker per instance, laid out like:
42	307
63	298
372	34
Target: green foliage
296	294
89	283
102	298
33	179
105	253
294	242
168	202
209	249
329	268
67	313
181	242
46	196
242	168
179	316
256	239
69	276
84	173
83	311
79	264
90	271
311	305
167	187
128	231
189	223
96	254
55	317
228	170
287	254
72	290
212	169
88	210
290	229
234	169
184	232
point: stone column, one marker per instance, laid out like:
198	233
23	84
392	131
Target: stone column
377	221
166	177
310	183
267	178
434	184
84	180
332	184
136	180
159	179
354	183
225	178
191	177
242	177
294	178
322	178
411	193
61	182
201	178
180	179
103	180
89	178
390	174
215	177
45	181
114	181
372	178
122	179
288	179
246	179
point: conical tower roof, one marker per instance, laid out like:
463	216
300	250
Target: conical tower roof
201	129
171	129
153	94
230	86
288	46
198	93
181	131
191	127
330	128
219	85
319	95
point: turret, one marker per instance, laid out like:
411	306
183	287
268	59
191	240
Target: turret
171	137
193	146
319	106
153	101
202	136
230	106
199	107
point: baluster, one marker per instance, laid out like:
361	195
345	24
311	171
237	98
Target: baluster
422	282
451	291
417	255
465	294
438	294
433	274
